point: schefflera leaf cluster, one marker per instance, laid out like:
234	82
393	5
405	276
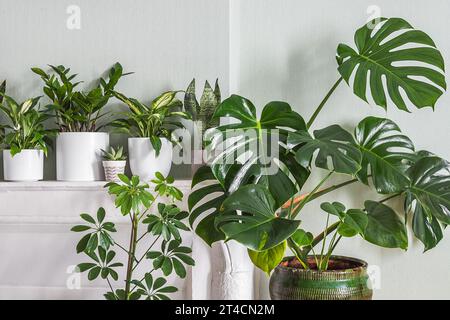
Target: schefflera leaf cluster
246	201
161	223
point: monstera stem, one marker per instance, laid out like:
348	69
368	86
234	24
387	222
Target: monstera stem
298	253
319	108
320	237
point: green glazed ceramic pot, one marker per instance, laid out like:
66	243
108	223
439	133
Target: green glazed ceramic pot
346	279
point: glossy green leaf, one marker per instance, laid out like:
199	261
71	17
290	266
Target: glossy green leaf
80	228
101	215
92	243
87	218
258	228
180	270
428	197
384	227
85	266
227	173
254	135
82	244
336	208
206	199
302	238
354	222
383	47
267	260
333	143
93	273
384	150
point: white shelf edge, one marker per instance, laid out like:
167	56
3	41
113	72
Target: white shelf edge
5	186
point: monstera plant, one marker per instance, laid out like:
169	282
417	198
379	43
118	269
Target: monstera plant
256	199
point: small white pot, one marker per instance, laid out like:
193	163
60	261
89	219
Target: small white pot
143	160
113	169
28	165
78	155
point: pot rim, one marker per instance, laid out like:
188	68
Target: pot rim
40	150
114	162
82	133
362	265
147	138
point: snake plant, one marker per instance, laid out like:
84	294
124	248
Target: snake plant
258	203
203	112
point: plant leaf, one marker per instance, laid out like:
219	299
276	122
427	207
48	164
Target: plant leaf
267	260
379	56
258	228
428	197
384	228
331	142
384	150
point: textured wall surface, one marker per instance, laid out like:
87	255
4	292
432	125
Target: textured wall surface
165	42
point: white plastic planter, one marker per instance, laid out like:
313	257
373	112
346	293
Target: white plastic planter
143	160
78	155
28	165
113	169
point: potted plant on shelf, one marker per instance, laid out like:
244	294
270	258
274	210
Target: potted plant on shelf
114	162
24	139
162	229
202	118
150	128
258	202
78	115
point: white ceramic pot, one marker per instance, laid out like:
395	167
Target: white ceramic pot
28	165
143	160
78	155
113	169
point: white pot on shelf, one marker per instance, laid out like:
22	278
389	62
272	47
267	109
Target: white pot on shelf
78	155
28	165
113	169
143	160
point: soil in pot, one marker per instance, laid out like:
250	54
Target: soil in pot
332	264
345	279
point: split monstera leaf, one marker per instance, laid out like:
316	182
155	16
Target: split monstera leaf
250	197
383	52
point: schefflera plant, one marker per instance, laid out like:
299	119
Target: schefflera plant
161	222
260	208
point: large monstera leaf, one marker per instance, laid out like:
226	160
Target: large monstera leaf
384	151
331	142
282	175
399	58
250	142
428	197
257	227
207	197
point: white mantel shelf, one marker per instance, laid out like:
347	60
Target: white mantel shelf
59	202
35	237
6	186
